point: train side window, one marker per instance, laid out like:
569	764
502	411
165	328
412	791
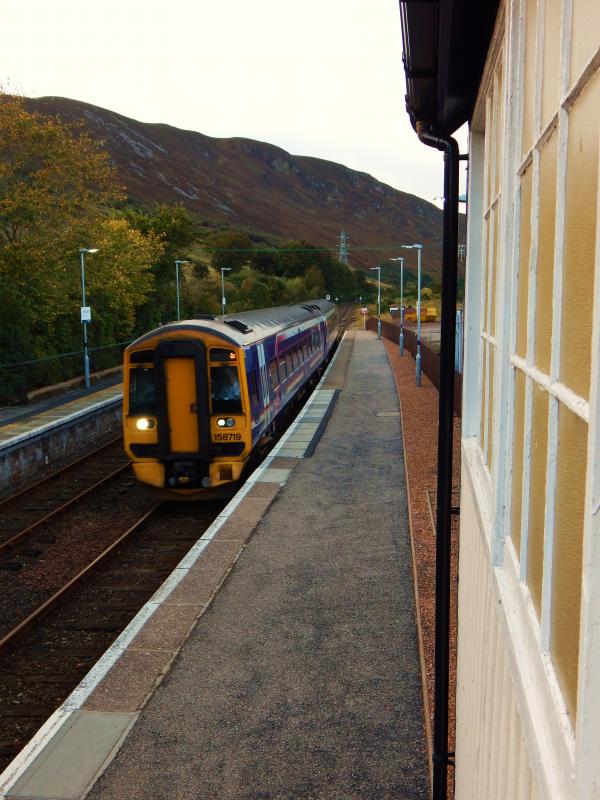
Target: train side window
253	389
299	355
274	374
142	391
282	372
306	351
294	356
288	364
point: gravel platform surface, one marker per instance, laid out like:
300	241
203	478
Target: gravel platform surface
303	678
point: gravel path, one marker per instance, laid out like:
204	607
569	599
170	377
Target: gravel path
419	419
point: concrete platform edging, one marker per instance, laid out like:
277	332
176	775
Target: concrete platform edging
51	746
22	455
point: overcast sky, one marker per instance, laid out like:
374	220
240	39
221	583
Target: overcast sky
321	78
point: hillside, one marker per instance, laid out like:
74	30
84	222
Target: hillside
249	183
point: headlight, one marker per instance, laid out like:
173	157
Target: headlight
144	424
221	423
228	422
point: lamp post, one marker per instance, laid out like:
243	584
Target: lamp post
178	263
378	301
223	301
85	314
401	339
419	249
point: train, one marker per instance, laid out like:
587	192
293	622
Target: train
202	396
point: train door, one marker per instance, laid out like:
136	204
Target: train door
180	384
183	423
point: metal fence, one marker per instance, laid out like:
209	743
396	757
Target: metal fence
430	360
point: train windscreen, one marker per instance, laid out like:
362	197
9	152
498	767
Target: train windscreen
142	391
225	390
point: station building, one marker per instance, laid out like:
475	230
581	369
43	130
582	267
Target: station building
525	75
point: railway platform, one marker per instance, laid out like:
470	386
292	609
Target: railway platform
34	437
280	659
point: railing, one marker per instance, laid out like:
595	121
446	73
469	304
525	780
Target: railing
430	360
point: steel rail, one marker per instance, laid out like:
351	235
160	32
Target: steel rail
12	636
5	501
18	537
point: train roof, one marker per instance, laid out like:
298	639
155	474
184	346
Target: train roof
247	326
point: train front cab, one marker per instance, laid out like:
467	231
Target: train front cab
186	424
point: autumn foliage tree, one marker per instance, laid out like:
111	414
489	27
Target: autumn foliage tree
56	191
49	175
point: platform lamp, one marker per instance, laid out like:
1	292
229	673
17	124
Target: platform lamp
223	301
401	339
178	263
86	314
419	249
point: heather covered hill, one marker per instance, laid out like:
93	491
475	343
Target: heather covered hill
249	183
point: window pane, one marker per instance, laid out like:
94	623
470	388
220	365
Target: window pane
274	374
517	463
225	390
584	40
493	268
537	494
524	248
253	389
567	556
490	410
552	25
529	74
483	397
545	256
142	391
580	240
222	354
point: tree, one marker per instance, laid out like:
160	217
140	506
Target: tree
55	184
314	283
50	175
231	250
296	258
177	230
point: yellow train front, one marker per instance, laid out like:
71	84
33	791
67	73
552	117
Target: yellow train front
200	394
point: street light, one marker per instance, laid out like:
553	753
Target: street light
86	314
419	249
378	301
401	340
178	263
223	301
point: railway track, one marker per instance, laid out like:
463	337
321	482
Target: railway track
24	512
47	653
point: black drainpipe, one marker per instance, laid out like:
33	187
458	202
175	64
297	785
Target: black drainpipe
441	757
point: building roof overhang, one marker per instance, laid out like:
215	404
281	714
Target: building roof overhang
445	47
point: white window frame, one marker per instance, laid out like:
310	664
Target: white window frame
539	690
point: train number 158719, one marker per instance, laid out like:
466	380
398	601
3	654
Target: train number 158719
227	437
